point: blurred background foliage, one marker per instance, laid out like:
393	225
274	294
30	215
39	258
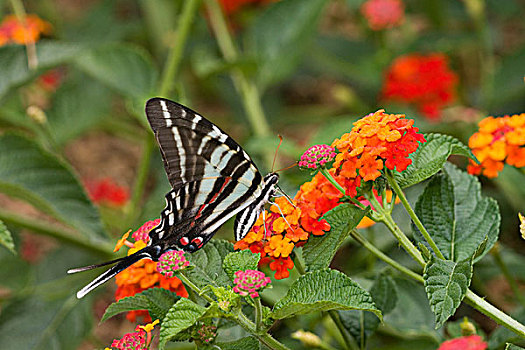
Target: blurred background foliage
78	166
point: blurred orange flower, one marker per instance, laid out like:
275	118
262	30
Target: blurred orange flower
143	275
425	81
383	14
14	31
498	141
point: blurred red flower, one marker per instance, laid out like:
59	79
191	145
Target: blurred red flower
106	191
232	6
383	14
422	80
472	342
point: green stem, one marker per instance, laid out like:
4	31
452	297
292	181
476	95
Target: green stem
64	235
399	192
495	252
258	314
470	298
20	13
403	239
340	188
193	287
250	95
175	54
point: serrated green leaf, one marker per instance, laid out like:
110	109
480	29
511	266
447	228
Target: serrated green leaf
30	173
361	324
446	283
78	105
125	68
246	343
240	261
55	324
208	264
318	252
430	157
513	347
278	43
157	301
13	60
182	315
323	290
457	216
6	239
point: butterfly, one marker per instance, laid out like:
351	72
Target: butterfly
212	179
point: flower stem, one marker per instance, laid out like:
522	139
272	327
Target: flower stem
193	287
175	54
399	192
20	13
403	239
247	89
495	252
258	314
340	188
62	234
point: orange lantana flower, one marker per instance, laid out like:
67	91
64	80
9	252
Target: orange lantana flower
14	31
498	141
143	275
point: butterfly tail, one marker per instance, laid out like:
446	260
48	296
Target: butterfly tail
121	264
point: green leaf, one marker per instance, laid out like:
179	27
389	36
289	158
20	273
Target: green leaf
6	239
360	324
208	264
513	347
277	42
323	290
240	261
38	177
55	324
430	157
182	315
446	283
157	301
77	106
457	216
246	343
125	68
318	252
13	60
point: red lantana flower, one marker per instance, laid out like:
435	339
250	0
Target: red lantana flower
422	80
106	191
472	342
383	14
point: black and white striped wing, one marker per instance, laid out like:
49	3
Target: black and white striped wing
211	175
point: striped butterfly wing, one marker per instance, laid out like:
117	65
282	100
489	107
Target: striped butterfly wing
212	177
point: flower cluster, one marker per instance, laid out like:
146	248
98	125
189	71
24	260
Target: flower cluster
375	141
250	282
143	274
138	340
274	236
206	333
170	262
14	31
106	191
317	156
471	342
498	141
422	80
383	14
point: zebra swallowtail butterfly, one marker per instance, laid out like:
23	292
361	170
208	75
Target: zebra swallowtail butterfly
212	179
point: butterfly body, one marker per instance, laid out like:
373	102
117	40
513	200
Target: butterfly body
212	180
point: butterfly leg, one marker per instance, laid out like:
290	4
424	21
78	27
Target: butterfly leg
264	224
283	194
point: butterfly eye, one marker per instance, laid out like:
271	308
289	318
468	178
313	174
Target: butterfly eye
184	241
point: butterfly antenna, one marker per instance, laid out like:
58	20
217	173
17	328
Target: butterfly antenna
288	167
277	150
286	196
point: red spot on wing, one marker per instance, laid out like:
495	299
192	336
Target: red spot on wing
184	241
